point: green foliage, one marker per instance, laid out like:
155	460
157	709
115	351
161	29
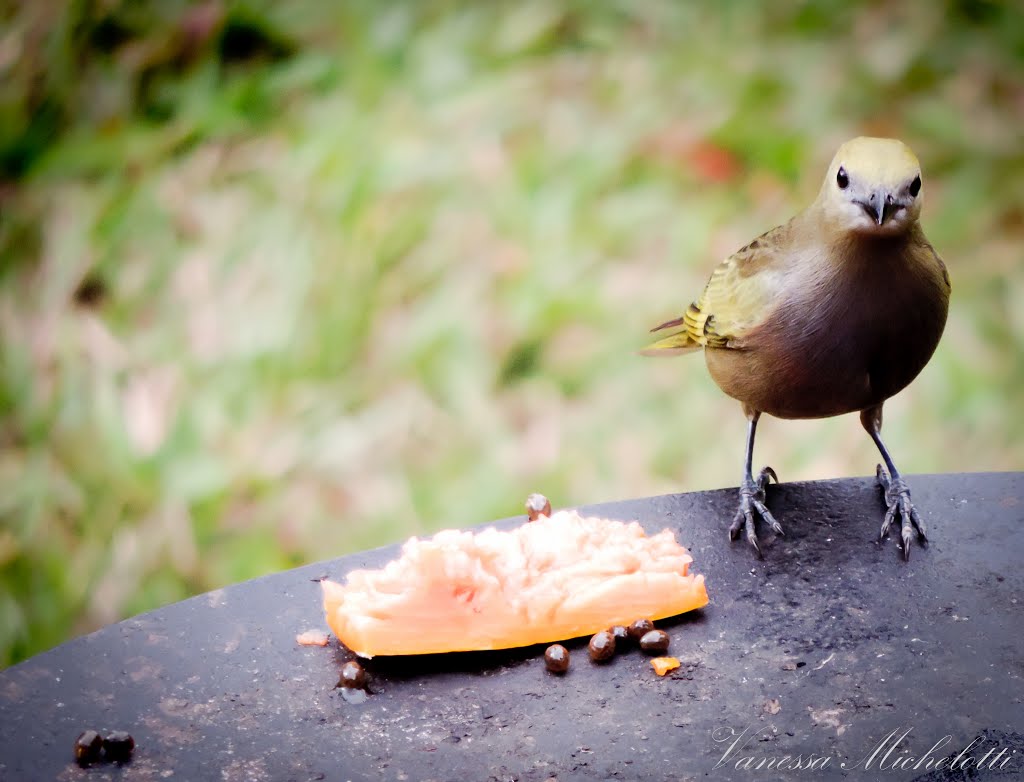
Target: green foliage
280	281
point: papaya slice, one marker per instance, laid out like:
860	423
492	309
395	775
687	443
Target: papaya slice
555	578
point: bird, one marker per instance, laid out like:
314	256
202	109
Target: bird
833	312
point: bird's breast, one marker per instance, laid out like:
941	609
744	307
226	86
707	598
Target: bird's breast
838	343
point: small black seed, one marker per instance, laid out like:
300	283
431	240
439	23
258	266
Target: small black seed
602	646
118	746
655	642
352	675
88	747
556	658
621	636
639	628
537	505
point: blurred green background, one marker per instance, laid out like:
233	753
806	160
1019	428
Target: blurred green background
285	280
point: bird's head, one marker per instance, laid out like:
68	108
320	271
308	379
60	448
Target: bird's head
873	187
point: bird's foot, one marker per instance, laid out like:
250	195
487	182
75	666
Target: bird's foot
897	501
752	497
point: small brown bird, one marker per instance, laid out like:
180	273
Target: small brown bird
833	312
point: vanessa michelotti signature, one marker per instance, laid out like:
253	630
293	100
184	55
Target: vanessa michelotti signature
888	755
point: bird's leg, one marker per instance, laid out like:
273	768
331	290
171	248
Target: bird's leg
897	493
752	492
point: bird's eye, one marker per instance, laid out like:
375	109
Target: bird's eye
842	179
915	186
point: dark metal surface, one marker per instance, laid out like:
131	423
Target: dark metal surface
822	650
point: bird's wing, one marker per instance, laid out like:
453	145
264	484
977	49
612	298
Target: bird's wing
734	301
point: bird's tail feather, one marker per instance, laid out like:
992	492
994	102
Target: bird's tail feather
672	345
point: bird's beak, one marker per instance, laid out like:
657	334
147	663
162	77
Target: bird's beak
883	203
878	206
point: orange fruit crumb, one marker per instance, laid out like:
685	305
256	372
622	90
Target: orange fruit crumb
663	665
312	638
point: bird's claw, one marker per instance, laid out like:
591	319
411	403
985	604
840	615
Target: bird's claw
897	501
752	501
